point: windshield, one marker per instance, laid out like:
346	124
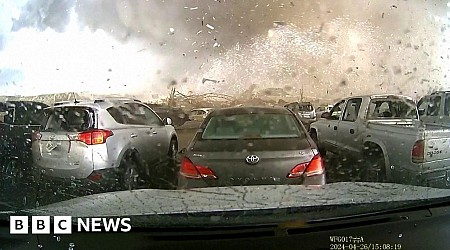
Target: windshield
152	107
251	126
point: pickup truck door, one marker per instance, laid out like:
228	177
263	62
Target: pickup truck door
346	139
329	130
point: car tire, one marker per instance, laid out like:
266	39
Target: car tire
375	168
12	172
129	173
173	150
172	164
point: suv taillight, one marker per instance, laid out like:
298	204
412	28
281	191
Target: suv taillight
417	152
191	171
313	167
94	137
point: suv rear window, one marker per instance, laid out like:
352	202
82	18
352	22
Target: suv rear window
305	107
70	119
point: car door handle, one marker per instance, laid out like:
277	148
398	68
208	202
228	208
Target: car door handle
335	127
153	131
133	135
352	131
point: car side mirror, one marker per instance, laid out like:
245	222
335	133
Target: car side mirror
168	121
326	115
182	151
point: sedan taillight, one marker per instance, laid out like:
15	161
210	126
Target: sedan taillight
191	171
313	167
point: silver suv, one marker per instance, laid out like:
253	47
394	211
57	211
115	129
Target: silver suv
119	140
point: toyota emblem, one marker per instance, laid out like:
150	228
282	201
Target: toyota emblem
252	159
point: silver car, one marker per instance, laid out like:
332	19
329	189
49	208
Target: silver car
98	141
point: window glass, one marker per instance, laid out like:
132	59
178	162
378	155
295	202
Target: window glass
336	111
447	105
143	115
352	110
251	126
422	106
434	106
117	115
70	119
392	109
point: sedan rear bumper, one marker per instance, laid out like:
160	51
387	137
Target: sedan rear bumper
186	183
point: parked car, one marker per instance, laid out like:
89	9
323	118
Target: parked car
435	108
19	119
178	116
385	132
304	109
105	144
322	109
199	114
251	146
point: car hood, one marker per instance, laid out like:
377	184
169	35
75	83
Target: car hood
377	196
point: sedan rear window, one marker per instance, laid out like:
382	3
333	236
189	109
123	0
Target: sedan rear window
252	126
69	119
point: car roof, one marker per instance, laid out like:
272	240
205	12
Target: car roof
250	110
202	109
98	103
385	96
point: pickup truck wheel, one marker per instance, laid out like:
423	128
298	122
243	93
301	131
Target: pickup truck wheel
12	173
322	151
375	169
129	175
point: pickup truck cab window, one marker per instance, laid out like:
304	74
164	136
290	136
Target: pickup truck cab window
352	109
381	108
336	111
434	106
447	105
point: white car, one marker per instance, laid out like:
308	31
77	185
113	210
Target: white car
199	114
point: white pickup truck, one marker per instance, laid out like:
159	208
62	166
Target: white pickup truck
385	135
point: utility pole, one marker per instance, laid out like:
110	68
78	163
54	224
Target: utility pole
301	94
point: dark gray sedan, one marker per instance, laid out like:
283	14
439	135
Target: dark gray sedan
251	146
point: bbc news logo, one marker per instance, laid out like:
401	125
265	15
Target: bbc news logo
63	225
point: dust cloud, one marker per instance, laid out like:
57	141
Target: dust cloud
325	49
